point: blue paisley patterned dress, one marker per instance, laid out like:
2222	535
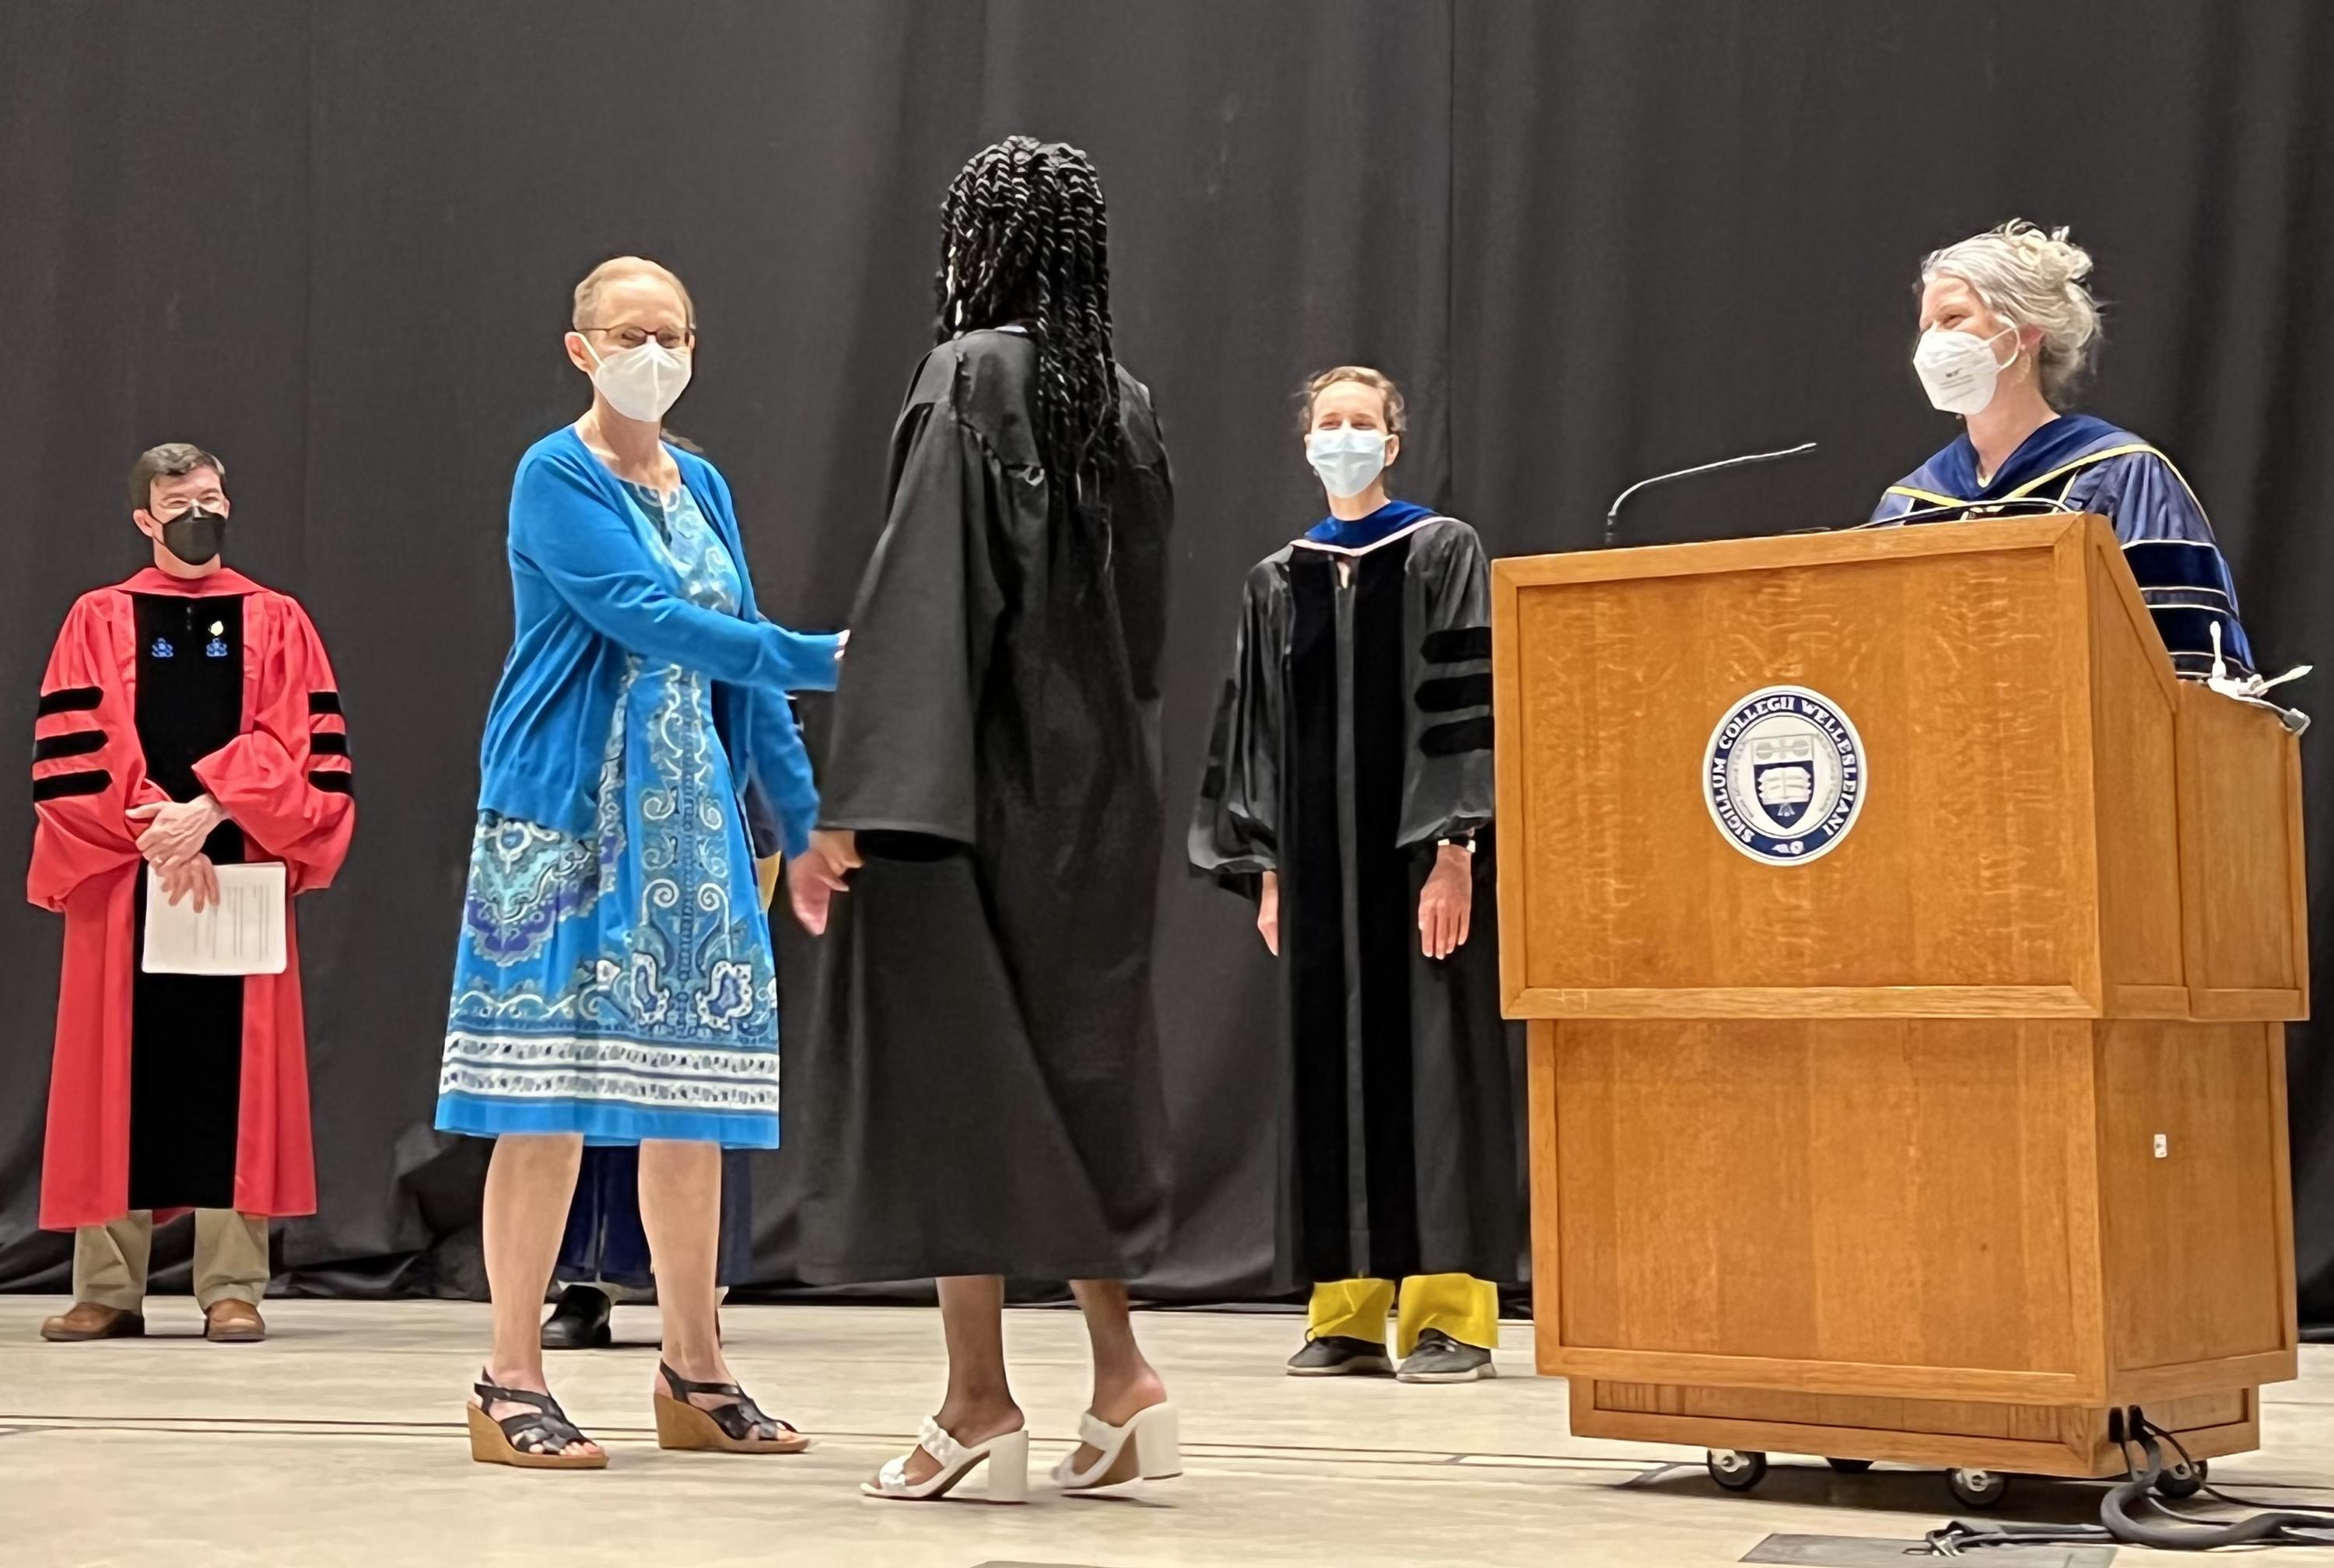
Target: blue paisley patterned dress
620	985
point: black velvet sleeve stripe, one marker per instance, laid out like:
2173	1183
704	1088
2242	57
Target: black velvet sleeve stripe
335	783
59	785
1453	692
78	743
324	702
328	743
1456	644
1451	739
2162	599
69	699
2174	563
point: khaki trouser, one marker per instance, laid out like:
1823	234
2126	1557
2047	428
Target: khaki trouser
230	1259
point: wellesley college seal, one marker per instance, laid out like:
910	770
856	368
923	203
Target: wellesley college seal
1784	776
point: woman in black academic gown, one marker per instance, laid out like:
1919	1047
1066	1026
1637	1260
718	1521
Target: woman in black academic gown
980	1097
1348	790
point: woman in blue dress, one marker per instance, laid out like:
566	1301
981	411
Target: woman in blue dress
2006	330
614	983
604	1255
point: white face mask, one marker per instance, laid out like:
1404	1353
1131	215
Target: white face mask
1957	368
1348	460
641	383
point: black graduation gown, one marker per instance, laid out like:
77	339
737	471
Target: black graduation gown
1356	731
979	1090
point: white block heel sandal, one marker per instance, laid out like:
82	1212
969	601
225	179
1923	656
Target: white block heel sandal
1004	1461
1149	1448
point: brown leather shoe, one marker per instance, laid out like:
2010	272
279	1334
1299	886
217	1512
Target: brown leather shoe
233	1322
88	1321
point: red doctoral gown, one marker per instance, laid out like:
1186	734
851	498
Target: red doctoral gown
283	781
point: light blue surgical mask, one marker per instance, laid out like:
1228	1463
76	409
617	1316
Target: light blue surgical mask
1348	460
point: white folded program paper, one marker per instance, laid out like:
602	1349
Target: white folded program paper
242	934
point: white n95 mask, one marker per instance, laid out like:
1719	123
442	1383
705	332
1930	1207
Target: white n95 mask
641	383
1957	368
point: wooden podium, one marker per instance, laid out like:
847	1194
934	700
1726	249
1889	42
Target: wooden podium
1948	1131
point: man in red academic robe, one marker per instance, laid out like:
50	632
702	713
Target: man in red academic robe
188	720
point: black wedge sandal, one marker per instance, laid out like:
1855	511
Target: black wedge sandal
733	1428
535	1439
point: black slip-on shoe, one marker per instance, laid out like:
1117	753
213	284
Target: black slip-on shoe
580	1321
1439	1359
1338	1356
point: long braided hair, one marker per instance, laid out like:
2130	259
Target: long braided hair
1025	240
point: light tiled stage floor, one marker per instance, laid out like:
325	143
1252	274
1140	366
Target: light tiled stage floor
340	1442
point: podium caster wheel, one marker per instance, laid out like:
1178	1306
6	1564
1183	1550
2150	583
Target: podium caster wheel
1977	1489
2184	1480
1849	1467
1736	1470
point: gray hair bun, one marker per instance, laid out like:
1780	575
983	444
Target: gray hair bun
2030	277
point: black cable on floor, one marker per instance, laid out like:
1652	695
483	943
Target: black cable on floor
2215	1492
2302	1524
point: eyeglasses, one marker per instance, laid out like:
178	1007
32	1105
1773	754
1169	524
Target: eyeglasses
672	339
171	511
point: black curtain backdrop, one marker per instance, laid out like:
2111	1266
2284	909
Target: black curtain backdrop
1595	240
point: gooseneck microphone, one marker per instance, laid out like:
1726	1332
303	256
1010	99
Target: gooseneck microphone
1613	517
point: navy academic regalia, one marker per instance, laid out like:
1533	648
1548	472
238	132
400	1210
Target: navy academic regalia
2083	464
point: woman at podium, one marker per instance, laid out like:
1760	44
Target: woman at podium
2007	328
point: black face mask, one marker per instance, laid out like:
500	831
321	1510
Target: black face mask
192	536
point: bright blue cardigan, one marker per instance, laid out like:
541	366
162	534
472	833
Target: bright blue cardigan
589	587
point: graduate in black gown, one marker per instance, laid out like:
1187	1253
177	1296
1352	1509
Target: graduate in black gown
981	1095
1348	790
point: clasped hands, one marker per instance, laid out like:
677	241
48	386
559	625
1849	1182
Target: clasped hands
821	872
818	873
172	845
